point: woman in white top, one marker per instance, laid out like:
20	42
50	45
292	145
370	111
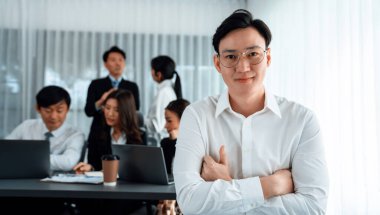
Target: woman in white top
163	70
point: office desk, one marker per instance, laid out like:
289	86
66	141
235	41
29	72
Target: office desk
123	190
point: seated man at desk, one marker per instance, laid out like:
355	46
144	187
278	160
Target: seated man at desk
66	142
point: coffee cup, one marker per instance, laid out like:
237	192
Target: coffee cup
110	164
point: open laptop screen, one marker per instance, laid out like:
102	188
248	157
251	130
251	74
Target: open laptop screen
24	159
139	163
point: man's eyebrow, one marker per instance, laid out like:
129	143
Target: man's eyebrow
229	50
234	50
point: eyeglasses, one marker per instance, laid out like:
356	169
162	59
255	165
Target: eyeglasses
230	59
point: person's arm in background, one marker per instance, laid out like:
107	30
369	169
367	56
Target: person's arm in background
71	155
198	196
93	103
90	108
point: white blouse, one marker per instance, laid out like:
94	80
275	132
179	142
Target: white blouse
155	120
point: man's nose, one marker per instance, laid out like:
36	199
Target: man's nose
53	115
243	64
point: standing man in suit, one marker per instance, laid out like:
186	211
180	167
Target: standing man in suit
99	89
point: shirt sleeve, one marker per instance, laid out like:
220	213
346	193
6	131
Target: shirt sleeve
16	133
309	172
71	155
196	196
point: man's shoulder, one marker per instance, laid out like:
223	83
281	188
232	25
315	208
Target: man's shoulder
128	82
31	123
291	107
205	105
99	81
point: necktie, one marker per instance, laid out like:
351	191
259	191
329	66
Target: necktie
48	135
114	84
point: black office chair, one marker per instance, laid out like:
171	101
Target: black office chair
83	153
142	127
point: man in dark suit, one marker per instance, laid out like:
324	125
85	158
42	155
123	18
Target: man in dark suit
99	89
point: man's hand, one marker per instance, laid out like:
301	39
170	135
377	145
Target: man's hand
102	99
212	170
279	183
81	168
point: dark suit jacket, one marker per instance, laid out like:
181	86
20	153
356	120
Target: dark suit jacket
101	145
95	91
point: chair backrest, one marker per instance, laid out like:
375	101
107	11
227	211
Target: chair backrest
84	150
140	119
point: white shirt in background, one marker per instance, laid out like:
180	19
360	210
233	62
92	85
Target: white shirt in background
155	120
65	145
284	135
122	139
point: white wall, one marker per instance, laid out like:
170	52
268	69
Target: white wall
107	15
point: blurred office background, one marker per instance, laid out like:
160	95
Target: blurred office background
324	55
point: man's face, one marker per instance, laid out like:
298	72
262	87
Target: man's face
115	64
54	115
245	78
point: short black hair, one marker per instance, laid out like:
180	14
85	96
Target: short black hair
177	106
113	49
241	19
51	95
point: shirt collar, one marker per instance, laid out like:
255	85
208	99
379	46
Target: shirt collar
165	83
114	79
57	132
122	139
271	103
224	103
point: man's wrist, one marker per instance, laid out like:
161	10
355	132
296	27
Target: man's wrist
267	186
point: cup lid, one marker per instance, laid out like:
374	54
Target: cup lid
110	157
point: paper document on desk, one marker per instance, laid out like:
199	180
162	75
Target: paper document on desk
94	178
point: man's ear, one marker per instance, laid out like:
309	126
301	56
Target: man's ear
217	63
38	109
269	57
159	76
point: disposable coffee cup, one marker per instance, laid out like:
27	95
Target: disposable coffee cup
110	164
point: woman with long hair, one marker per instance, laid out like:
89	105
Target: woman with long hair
120	126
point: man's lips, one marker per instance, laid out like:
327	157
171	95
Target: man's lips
244	79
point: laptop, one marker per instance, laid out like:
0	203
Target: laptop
140	163
24	159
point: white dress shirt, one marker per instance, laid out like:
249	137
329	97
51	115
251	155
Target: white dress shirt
65	145
284	135
122	139
155	121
